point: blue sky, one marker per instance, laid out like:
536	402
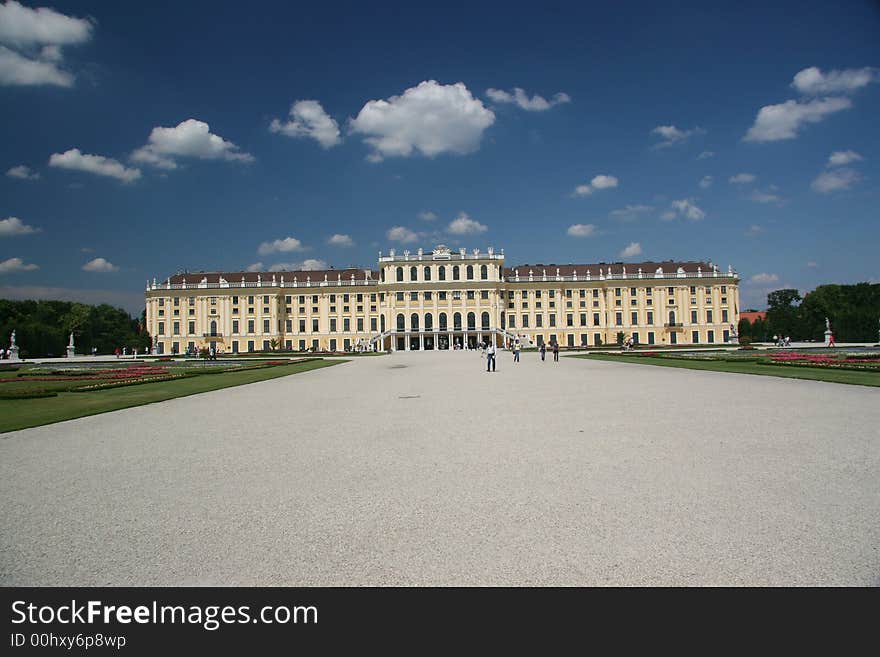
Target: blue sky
143	139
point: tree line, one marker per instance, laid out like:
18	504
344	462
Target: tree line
853	310
42	328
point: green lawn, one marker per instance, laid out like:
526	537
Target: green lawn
24	413
791	372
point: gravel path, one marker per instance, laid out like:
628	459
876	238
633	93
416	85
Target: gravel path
422	469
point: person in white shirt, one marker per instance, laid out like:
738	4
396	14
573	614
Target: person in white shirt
490	357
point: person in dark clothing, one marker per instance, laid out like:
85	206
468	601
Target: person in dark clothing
555	347
543	351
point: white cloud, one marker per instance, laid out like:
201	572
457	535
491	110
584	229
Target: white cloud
812	81
427	216
464	225
402	234
18	70
705	154
742	179
257	266
15	226
630	212
340	240
190	138
669	215
308	119
602	181
582	230
783	121
840	158
430	119
23	172
812	265
764	279
100	265
534	104
834	180
672	135
632	249
309	264
15	264
24	27
285	245
754	230
685	208
765	197
706	182
35	37
97	164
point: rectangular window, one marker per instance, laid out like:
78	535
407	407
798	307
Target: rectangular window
569	320
708	316
650	337
400	296
344	298
617	291
693	317
373	324
470	294
484	294
539	321
724	315
288	326
288	299
332	298
723	289
693	289
265	310
568	294
250	326
161	302
634	319
314	326
302	345
650	317
161	328
511	321
413	296
250	345
251	300
346	325
670	291
333	345
176	301
695	337
441	296
552	319
525	321
595	319
332	325
266	345
583	339
176	328
618	302
234	326
537	294
711	337
360	324
427	296
595	293
583	319
571	339
213	301
265	326
618	319
302	326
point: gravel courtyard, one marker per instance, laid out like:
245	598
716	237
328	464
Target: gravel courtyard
422	469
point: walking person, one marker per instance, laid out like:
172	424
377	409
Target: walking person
543	351
516	351
555	346
490	357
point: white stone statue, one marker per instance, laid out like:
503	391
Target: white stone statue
827	324
12	339
70	344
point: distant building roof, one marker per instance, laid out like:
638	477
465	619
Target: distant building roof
650	267
753	315
195	277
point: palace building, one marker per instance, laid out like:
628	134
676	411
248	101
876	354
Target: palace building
444	299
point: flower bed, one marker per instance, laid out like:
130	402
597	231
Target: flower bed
27	394
106	385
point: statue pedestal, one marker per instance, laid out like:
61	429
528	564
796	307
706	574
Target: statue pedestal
13	353
827	338
71	352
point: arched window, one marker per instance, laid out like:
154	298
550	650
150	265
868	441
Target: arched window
400	274
213	327
442	321
472	322
456	321
429	322
484	272
382	323
671	317
442	272
414	322
455	273
427	273
470	272
400	322
485	321
413	273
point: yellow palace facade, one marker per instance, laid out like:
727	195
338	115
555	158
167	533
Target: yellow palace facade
444	299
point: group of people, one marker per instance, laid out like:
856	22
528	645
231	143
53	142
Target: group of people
5	354
782	341
490	350
123	351
628	344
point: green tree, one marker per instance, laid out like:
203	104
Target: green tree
783	316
